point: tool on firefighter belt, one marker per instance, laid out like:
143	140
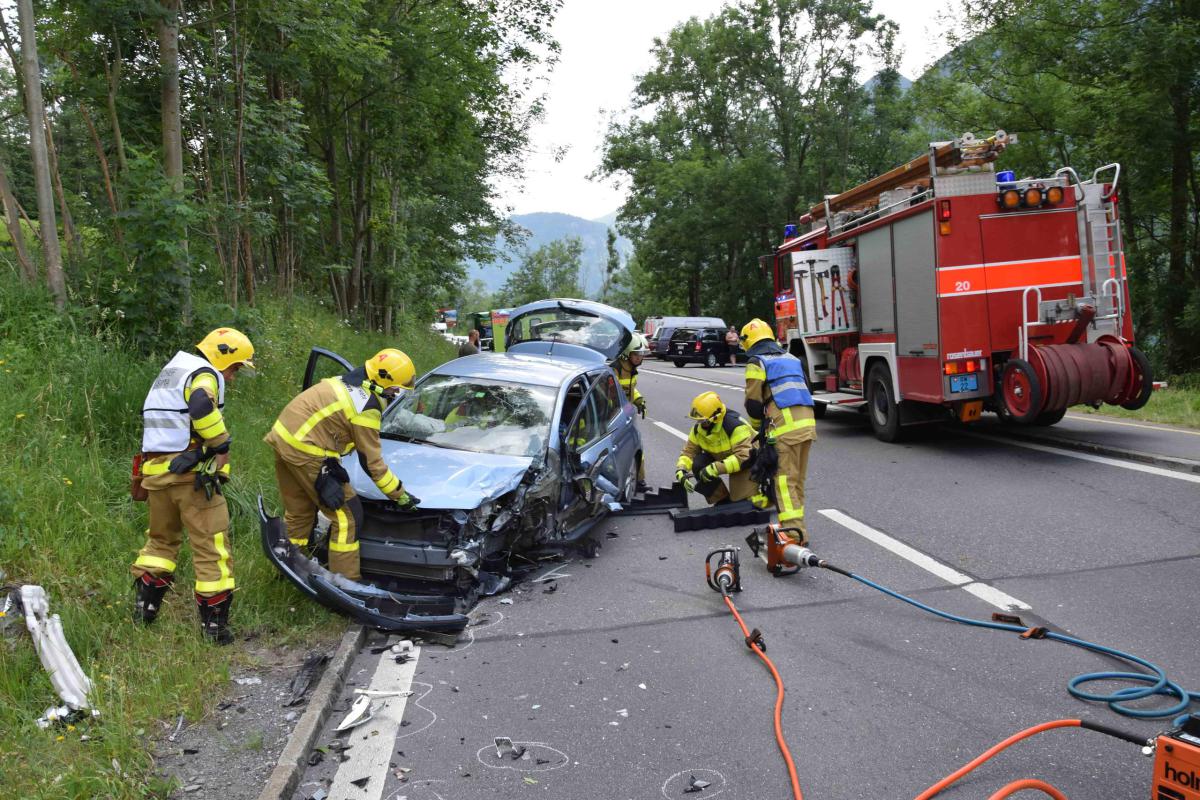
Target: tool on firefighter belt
784	557
208	479
727	576
330	484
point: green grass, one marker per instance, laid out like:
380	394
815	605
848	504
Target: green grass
69	421
1178	404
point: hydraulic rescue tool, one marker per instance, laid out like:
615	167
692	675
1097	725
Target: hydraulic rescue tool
1177	751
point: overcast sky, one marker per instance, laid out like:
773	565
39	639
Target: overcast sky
604	46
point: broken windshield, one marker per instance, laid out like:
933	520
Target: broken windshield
568	326
476	414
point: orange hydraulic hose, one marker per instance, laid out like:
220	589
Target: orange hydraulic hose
941	785
1028	783
783	748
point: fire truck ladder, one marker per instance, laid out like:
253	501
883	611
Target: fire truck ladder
1101	246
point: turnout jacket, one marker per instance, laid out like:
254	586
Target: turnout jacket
729	443
182	411
627	376
776	391
331	419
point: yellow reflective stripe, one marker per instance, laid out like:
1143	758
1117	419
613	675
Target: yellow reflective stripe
732	464
224	470
205	380
754	423
787	516
226	580
782	498
338	547
388	483
342	524
755	373
684	462
298	542
154	562
795	426
740	434
367	419
303	447
156	467
210	425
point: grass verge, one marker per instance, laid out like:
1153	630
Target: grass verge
70	405
1178	404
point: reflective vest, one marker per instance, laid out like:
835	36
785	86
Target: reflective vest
785	377
167	426
720	442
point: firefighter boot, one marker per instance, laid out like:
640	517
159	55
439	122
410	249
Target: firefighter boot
214	617
148	596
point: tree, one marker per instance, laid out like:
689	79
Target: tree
35	112
550	271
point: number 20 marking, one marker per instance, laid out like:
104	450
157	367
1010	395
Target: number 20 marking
962	286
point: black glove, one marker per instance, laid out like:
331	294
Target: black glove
330	484
188	460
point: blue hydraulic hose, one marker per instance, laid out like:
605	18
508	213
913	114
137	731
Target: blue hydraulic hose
1158	683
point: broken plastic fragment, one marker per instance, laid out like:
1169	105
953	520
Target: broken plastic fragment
360	712
504	745
696	785
361	782
506	601
57	658
253	681
305	677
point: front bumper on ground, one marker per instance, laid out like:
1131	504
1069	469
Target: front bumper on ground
367	604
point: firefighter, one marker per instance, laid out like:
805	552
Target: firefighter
720	443
320	425
777	396
185	458
626	367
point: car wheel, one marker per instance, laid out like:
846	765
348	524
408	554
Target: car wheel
679	362
881	402
710	360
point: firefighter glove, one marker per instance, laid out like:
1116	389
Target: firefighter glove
406	501
687	479
186	461
640	405
711	471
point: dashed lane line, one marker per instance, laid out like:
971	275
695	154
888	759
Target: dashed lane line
373	741
673	431
989	594
1111	462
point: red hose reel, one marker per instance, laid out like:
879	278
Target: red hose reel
1057	376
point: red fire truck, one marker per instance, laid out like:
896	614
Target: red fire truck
944	287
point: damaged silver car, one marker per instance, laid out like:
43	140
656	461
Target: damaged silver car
515	456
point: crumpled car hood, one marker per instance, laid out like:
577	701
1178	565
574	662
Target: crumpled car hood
442	478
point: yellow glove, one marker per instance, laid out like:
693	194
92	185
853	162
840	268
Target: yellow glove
711	471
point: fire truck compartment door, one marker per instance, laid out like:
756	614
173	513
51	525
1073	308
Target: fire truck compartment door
916	286
875	281
822	306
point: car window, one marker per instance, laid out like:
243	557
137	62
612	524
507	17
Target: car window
712	336
608	399
475	414
588	426
683	335
569	326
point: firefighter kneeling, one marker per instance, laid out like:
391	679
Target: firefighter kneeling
720	443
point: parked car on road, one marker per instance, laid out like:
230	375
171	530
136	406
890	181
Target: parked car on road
659	341
698	346
514	456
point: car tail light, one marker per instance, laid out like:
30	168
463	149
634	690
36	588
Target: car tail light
699	347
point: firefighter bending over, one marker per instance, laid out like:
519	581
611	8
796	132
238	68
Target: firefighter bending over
320	425
778	396
626	367
185	459
720	443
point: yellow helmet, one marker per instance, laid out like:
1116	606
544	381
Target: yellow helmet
707	406
754	332
225	347
390	367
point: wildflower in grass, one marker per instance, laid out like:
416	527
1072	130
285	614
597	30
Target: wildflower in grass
59	738
68	482
21	416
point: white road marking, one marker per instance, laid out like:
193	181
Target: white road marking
673	431
989	594
373	741
694	380
1124	424
1112	462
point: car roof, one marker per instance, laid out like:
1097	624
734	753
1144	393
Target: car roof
515	368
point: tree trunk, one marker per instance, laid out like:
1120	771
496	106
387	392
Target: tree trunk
47	224
172	126
1180	352
74	245
12	220
113	75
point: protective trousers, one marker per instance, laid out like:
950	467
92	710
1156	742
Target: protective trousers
178	506
789	483
297	488
741	485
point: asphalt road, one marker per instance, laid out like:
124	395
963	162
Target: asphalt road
631	676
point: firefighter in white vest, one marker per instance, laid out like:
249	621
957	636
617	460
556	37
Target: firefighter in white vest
778	398
185	459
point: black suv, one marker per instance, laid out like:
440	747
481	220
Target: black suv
660	342
698	345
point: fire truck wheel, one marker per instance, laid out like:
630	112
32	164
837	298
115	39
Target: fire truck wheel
1048	418
819	409
1144	379
1021	391
881	400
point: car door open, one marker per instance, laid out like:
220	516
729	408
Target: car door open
323	364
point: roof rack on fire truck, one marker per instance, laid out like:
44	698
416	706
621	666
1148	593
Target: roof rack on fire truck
962	153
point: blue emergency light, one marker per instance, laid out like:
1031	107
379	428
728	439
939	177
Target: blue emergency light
789	232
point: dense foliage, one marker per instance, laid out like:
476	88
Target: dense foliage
205	152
